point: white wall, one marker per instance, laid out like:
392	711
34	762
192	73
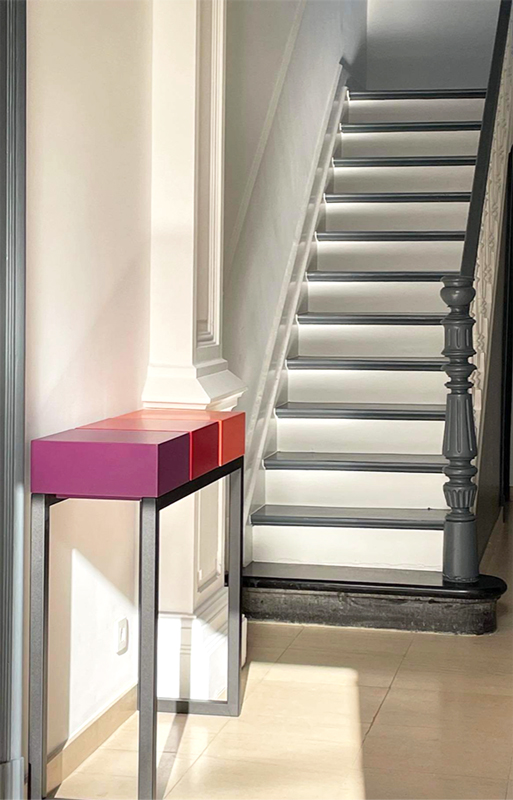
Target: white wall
282	67
414	44
89	113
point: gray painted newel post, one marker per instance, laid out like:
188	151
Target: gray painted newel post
460	557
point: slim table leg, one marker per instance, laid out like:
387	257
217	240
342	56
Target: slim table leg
235	500
38	699
148	622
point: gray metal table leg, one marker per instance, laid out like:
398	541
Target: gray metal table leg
148	622
39	561
235	499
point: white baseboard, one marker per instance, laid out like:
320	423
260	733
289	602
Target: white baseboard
192	660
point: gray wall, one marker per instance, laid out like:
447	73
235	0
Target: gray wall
415	44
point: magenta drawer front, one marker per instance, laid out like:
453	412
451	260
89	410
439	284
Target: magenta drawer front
126	465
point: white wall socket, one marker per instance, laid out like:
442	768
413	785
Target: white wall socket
122	641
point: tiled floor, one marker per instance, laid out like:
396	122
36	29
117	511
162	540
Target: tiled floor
349	714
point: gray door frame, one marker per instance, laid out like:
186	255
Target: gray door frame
12	379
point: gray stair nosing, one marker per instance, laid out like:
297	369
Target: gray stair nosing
369	363
319	411
404	161
418	94
346	521
390	236
399	197
354	465
386	276
356	318
411	127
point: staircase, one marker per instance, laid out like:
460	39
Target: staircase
351	532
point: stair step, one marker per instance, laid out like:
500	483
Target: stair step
409	127
388	276
405	161
373	411
357	462
321	516
358	318
391	236
418	94
399	197
403	364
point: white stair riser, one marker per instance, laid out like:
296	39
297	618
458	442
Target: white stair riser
360	436
370	340
375	296
402	179
393	256
366	386
354	489
396	216
424	143
358	547
445	110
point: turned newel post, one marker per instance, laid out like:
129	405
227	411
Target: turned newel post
460	558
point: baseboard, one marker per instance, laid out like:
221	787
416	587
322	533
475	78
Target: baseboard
67	758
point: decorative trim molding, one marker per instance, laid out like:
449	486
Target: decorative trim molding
12	380
264	136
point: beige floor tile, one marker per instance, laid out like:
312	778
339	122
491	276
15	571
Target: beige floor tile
332	667
258	653
484	682
353	640
82	785
428	750
449	711
509	792
319	703
291	752
226	779
409	786
338	730
272	634
451	660
113	775
467	648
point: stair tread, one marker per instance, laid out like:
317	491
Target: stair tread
410	127
404	411
372	274
364	462
391	236
317	516
404	161
370	318
398	197
417	94
405	363
322	577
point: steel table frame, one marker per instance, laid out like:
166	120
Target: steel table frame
149	557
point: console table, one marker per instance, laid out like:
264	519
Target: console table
155	457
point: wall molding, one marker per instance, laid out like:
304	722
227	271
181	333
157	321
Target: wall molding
269	384
12	395
264	136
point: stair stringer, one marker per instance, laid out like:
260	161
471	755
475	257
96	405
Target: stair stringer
272	383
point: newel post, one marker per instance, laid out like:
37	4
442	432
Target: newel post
460	557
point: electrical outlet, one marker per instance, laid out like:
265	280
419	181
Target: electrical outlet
122	646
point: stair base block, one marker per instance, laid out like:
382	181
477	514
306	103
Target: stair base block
401	600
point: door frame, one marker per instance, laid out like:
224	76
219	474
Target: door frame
12	390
